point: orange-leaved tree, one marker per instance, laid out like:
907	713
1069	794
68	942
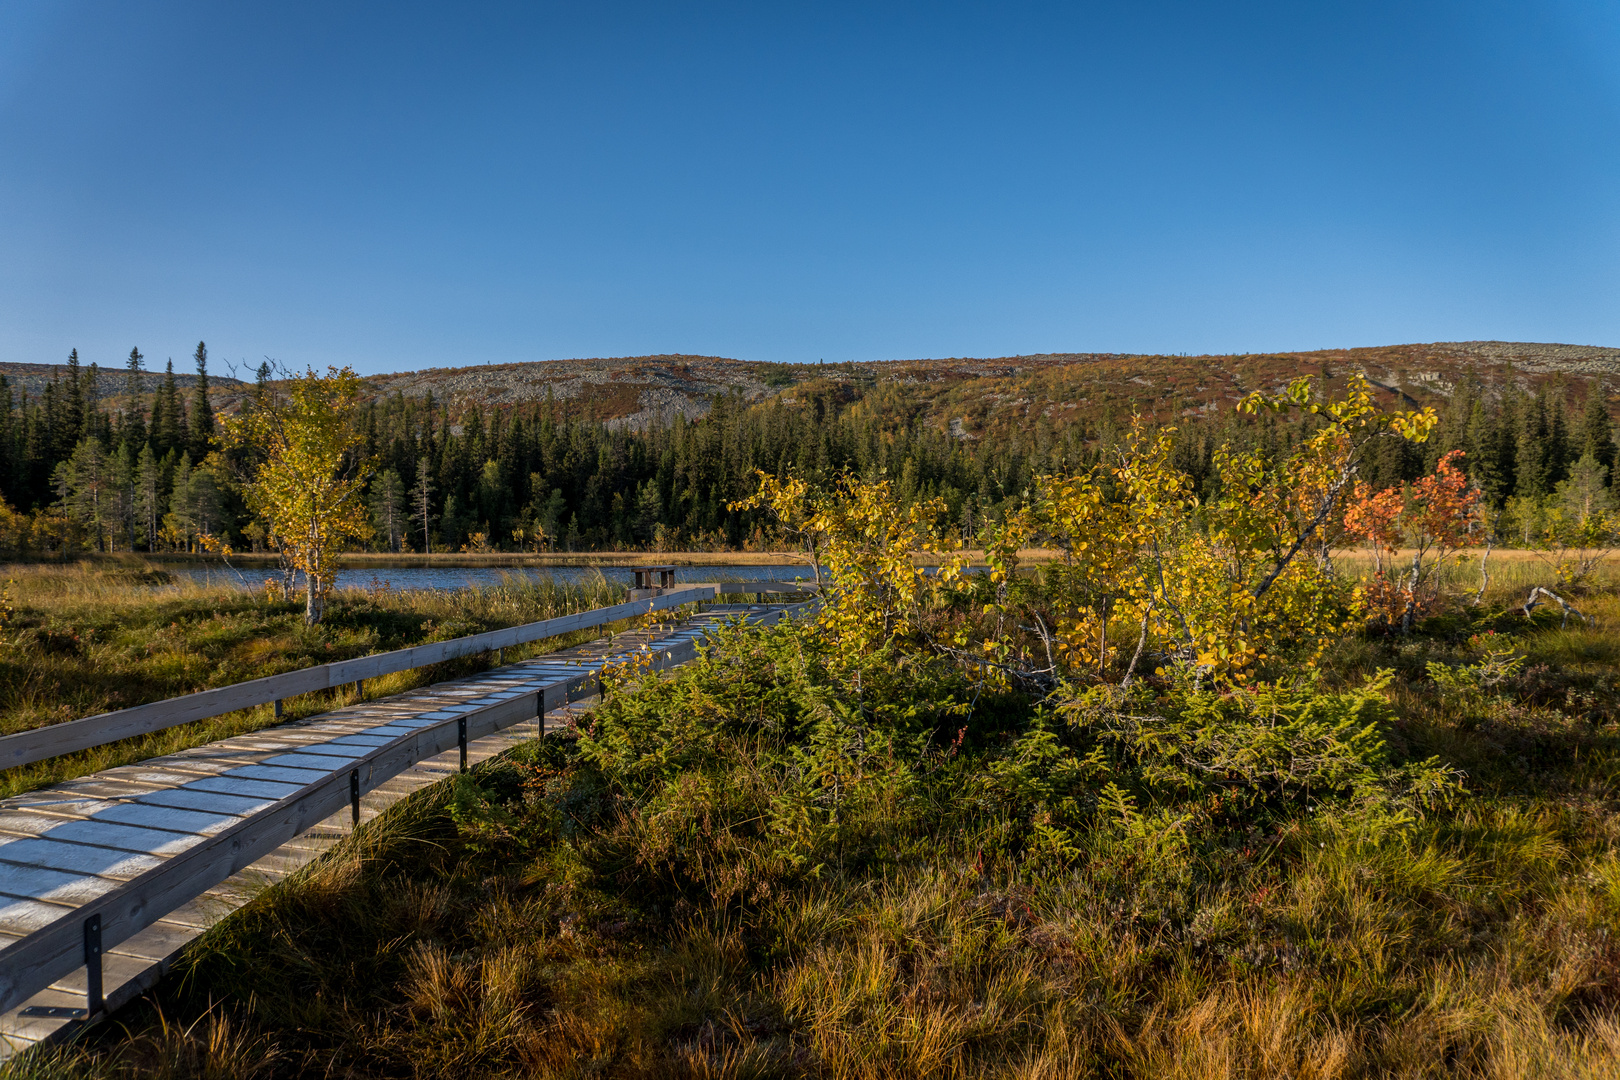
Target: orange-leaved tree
1434	516
310	474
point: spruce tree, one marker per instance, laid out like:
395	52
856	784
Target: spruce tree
202	412
10	450
1505	448
64	411
166	415
73	404
148	496
1530	476
91	396
1558	449
1596	434
134	417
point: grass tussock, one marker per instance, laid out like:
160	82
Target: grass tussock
91	637
782	863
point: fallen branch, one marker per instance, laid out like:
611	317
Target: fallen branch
1537	591
1484	574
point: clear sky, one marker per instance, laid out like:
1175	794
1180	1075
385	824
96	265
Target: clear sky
398	186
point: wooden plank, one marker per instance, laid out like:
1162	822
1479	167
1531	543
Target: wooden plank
53	886
106	834
732	587
78	858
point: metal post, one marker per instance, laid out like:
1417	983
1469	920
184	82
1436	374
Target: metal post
354	795
92	965
278	708
360	689
461	738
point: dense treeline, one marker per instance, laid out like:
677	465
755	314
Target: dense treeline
152	475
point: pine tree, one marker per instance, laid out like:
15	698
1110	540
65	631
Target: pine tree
1586	492
122	465
83	486
202	411
388	508
422	503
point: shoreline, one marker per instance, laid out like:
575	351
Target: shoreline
363	560
358	560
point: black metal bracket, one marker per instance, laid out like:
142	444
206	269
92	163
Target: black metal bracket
278	708
354	794
461	740
92	965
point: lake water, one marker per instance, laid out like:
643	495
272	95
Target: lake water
463	577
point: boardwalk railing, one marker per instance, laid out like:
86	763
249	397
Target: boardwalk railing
77	936
38	744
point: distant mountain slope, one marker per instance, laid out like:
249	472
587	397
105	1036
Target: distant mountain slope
976	396
109	381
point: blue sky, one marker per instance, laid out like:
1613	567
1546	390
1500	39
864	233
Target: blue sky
397	186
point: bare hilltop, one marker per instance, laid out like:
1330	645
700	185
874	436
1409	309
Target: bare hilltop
972	395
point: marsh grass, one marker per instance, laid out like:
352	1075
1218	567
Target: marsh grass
91	637
730	874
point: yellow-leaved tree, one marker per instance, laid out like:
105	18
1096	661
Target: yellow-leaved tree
309	475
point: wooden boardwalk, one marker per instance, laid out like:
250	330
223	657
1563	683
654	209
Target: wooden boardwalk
98	837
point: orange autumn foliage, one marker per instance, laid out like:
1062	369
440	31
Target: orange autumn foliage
1435	517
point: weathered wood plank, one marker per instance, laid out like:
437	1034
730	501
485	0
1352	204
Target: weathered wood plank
56	854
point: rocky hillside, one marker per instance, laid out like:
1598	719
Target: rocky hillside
973	397
976	396
111	382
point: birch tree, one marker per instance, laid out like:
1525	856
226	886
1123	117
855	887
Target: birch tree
309	486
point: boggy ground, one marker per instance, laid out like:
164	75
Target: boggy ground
90	637
783	862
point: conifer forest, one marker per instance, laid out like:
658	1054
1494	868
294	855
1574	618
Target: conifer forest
95	462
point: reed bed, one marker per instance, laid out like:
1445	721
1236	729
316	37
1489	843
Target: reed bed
89	638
